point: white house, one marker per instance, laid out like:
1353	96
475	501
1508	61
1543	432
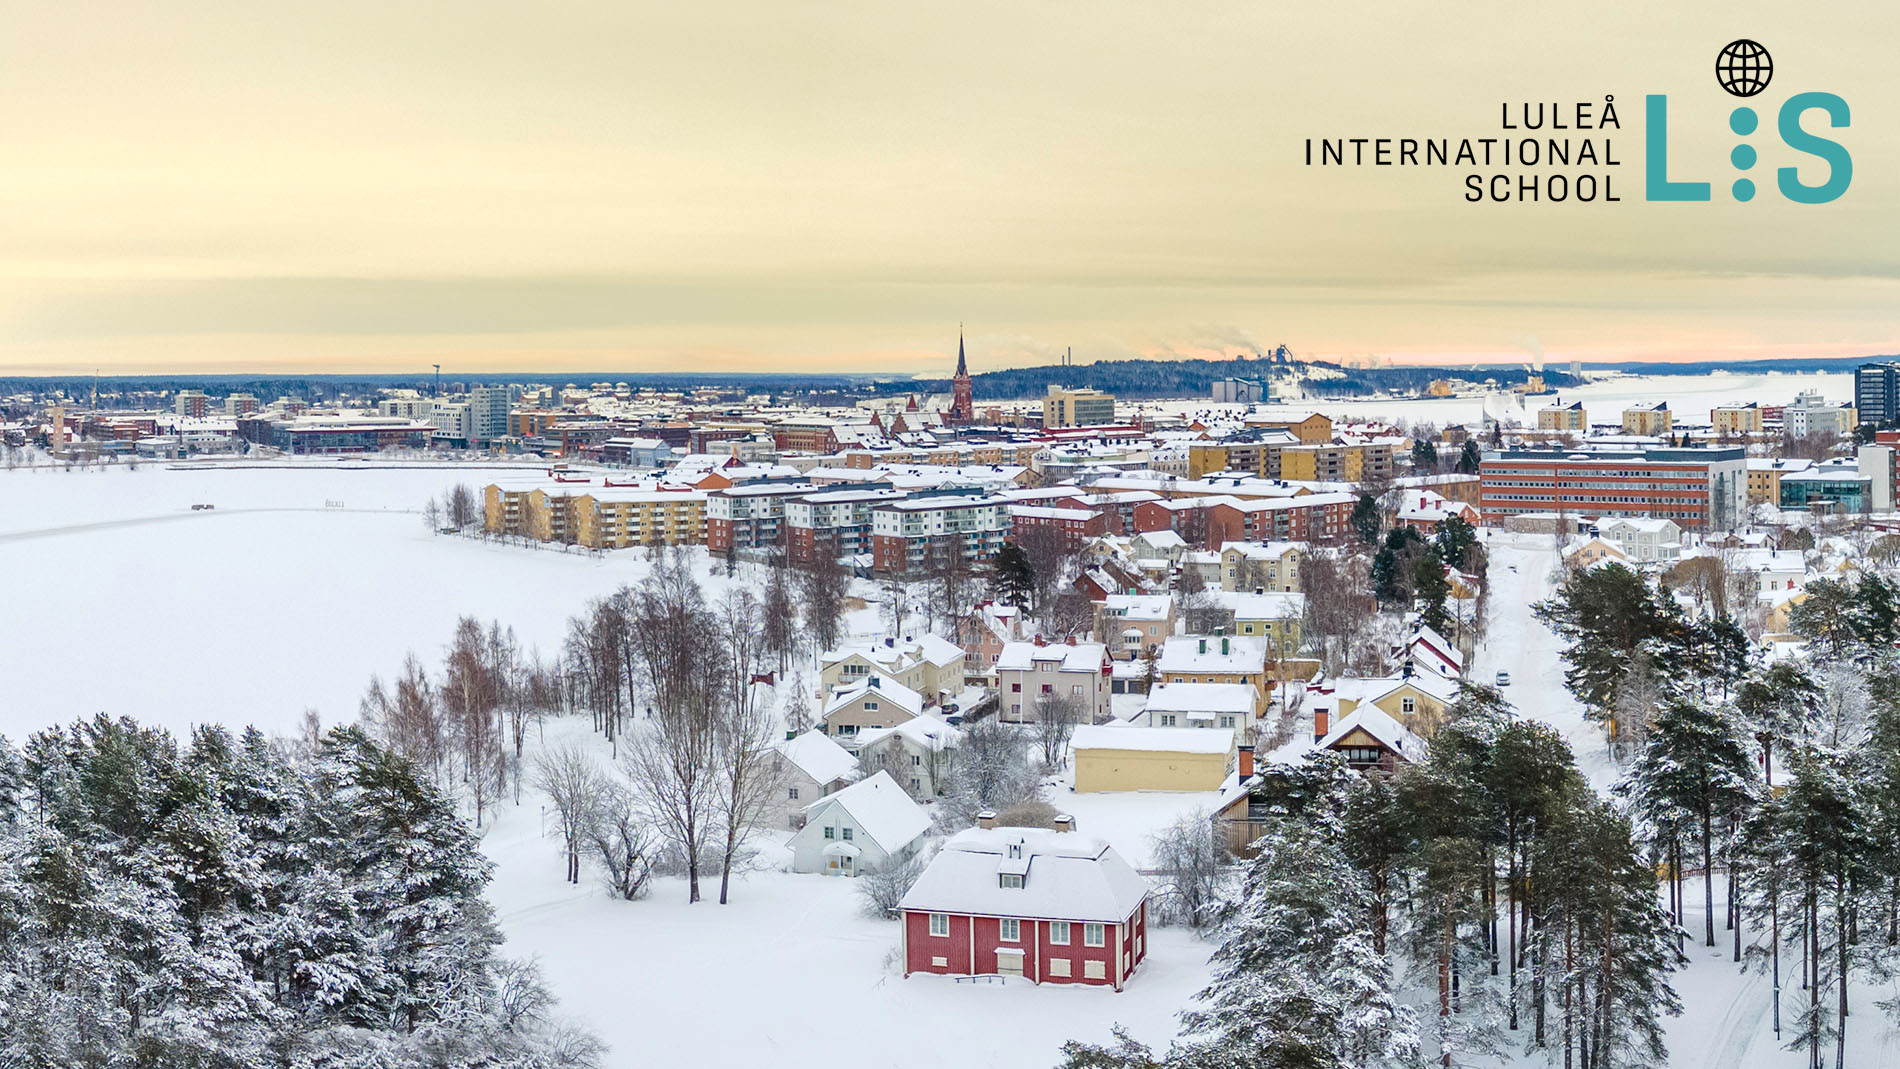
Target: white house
860	829
1227	706
809	766
1644	540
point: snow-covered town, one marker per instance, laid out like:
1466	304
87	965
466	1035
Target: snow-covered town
598	724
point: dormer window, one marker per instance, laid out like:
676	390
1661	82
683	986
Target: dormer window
1009	880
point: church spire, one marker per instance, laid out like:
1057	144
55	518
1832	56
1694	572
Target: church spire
962	369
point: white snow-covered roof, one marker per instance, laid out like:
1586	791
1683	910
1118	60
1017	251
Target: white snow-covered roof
878	689
1138	606
1067	876
1265	605
818	756
881	809
1161	539
928	732
1380	725
1204	653
1024	656
1202	698
1121	736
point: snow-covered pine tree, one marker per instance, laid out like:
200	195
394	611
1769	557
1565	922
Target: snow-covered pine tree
1692	771
1297	980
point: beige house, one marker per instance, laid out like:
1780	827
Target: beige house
872	702
1028	672
1261	566
1119	757
931	666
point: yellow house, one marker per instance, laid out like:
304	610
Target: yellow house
1275	617
1271	566
1418	702
1216	659
1118	757
931	666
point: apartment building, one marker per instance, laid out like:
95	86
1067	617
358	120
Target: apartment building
1563	418
750	516
1700	489
1077	408
907	535
1652	421
1736	420
836	523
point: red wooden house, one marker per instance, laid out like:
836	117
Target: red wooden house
1049	906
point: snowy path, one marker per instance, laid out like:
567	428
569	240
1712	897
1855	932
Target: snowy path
1518	643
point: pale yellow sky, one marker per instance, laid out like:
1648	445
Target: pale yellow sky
834	186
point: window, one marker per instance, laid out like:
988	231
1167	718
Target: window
940	924
1059	967
1016	688
1076	690
1167	720
831	833
847	835
1010	880
794	794
1226	721
1094	935
1059	933
1408	705
1012	930
1048	688
1095	970
870	707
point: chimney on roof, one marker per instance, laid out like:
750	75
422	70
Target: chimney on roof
790	734
1223	647
1245	763
1064	822
986	819
874	683
1070	639
889	643
1203	645
1039	640
1321	724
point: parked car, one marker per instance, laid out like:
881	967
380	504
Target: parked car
1504	679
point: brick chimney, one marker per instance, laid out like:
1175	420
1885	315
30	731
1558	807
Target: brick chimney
986	819
1070	640
1040	641
1244	765
1065	822
1321	724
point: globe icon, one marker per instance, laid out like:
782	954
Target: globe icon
1744	68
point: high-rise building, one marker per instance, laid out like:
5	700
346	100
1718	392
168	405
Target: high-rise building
1877	392
487	414
962	400
190	404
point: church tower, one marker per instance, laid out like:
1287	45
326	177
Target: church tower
962	404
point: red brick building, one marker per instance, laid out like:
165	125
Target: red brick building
1048	906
